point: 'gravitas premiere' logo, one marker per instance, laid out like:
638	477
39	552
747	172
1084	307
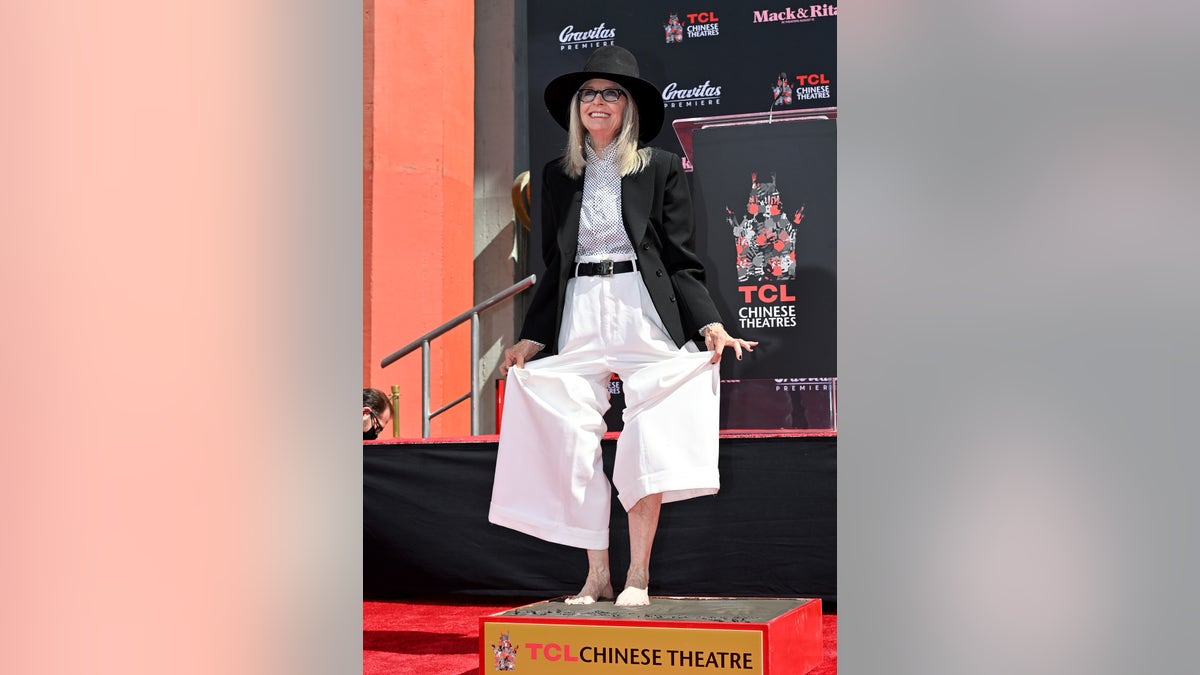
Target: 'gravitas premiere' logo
765	242
675	96
600	36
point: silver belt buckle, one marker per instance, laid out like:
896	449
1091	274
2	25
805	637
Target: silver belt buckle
606	268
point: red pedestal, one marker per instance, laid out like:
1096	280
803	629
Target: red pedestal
767	636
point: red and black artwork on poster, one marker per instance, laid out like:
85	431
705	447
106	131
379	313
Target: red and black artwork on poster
766	228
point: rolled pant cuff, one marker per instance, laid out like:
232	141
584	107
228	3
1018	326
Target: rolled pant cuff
675	486
557	533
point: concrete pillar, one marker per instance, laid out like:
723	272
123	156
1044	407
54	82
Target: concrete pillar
497	264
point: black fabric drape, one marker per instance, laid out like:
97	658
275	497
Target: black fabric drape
771	531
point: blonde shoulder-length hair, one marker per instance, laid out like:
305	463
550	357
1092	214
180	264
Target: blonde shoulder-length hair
630	158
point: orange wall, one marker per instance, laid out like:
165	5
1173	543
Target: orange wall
418	201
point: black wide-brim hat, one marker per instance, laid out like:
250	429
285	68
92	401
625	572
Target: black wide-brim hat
619	65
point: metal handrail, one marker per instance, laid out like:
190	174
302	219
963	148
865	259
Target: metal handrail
423	343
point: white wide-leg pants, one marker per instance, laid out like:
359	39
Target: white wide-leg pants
550	480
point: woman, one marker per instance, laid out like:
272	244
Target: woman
623	293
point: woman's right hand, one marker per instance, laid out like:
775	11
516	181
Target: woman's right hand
517	354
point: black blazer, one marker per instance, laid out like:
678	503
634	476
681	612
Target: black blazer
657	209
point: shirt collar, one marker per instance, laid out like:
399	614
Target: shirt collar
607	154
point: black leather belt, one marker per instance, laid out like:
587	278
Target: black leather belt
604	268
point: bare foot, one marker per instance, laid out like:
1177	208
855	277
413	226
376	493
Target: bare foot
632	597
597	587
637	587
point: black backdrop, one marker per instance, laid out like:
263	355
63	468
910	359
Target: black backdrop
771	531
728	58
790	308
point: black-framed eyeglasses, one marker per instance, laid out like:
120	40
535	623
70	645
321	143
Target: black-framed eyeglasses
376	425
589	95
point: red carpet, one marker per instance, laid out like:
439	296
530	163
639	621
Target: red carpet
441	636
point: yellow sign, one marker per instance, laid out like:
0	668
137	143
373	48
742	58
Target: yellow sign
604	650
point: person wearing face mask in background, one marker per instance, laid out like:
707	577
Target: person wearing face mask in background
377	412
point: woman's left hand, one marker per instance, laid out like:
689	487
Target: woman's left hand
716	339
